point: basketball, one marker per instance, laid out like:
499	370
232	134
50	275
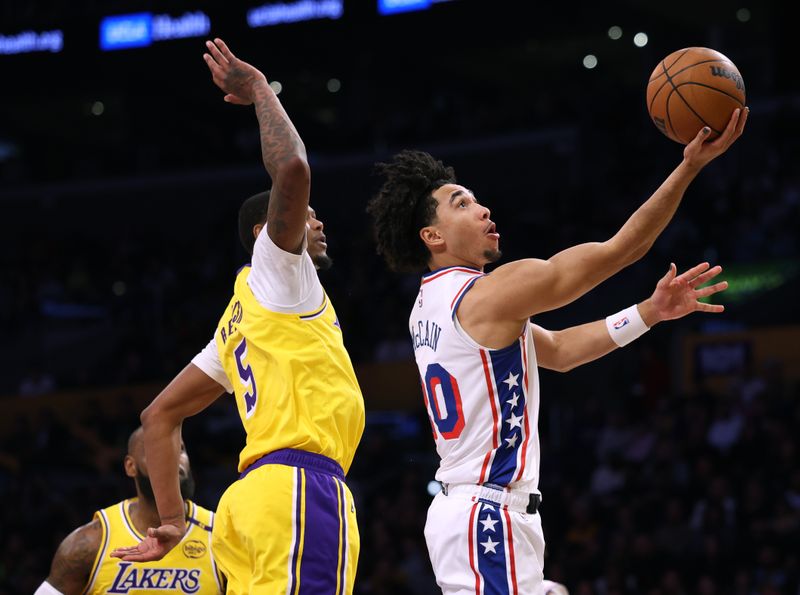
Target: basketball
692	88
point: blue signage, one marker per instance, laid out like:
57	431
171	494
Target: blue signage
32	41
276	13
126	31
396	6
141	29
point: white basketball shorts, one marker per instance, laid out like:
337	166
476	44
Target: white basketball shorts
478	547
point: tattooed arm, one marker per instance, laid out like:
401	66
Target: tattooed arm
282	150
74	559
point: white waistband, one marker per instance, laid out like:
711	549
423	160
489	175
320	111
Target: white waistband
513	500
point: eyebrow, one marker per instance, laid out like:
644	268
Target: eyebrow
456	194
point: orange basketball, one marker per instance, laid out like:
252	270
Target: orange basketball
692	88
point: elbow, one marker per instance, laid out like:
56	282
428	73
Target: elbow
559	359
639	252
295	170
157	417
564	367
623	256
149	414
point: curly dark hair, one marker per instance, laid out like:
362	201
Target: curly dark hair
252	212
404	205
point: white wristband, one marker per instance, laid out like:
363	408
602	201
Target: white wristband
626	326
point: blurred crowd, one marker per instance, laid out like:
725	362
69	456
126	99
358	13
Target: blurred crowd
682	493
114	274
645	493
102	298
116	271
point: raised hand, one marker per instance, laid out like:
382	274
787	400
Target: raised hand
156	545
677	295
236	78
700	151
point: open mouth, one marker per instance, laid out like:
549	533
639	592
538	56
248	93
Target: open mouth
491	231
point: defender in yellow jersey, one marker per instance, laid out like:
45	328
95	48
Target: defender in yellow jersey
288	524
294	383
82	563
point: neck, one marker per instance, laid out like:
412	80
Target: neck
144	514
441	261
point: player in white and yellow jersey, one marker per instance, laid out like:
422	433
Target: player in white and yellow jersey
478	352
288	525
82	563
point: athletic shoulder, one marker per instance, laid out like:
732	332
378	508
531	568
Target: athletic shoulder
73	561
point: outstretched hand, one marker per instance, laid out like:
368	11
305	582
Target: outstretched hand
701	151
235	77
677	295
156	545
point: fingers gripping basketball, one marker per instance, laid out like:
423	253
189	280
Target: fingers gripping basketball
692	88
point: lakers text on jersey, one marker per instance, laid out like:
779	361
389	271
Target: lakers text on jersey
188	568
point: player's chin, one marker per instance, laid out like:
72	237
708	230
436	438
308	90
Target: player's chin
322	261
491	255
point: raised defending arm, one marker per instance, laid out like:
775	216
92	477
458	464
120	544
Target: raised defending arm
282	150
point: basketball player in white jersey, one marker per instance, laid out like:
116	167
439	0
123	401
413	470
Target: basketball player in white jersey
478	352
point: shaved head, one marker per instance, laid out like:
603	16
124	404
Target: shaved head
136	441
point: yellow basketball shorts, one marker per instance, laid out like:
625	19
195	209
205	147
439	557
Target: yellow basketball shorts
288	525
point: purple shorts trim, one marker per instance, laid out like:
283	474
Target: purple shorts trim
298	458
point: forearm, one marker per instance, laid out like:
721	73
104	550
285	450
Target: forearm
190	392
582	344
162	439
640	231
578	345
674	297
280	141
284	157
526	288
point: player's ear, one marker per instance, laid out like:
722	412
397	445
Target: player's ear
130	466
431	236
257	229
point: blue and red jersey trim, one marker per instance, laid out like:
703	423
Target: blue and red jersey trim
432	275
506	383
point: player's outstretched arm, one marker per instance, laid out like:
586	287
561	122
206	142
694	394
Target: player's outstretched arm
72	564
675	296
190	392
282	150
523	288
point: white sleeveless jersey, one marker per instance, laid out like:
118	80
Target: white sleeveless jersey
483	403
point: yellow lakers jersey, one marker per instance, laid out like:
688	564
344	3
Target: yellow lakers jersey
294	383
188	568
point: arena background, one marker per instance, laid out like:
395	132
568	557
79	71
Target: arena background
669	467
